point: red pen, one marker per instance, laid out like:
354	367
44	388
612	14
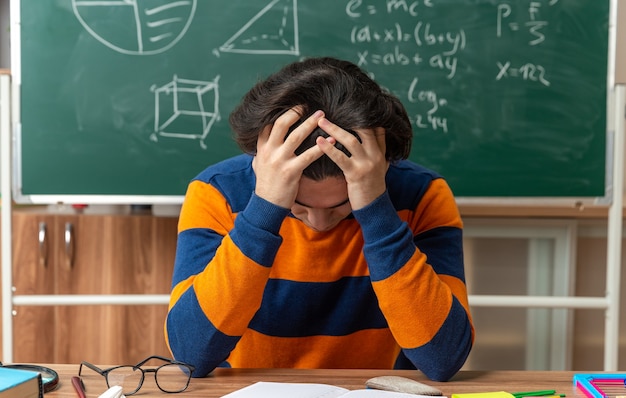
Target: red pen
77	382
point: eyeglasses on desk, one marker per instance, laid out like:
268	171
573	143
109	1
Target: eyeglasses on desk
171	377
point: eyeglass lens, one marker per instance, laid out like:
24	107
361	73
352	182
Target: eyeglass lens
128	377
172	377
169	378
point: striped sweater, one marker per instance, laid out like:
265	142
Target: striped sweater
254	287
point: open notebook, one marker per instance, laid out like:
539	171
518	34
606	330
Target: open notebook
311	390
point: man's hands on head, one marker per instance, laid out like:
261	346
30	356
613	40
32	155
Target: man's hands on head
365	170
279	170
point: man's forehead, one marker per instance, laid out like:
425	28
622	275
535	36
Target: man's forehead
325	194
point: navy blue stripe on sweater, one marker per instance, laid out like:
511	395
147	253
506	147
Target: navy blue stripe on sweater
298	309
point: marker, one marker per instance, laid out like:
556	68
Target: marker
540	393
77	382
542	396
553	396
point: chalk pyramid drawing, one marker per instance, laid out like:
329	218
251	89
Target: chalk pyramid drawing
136	27
273	30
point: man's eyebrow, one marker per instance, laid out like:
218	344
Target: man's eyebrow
330	207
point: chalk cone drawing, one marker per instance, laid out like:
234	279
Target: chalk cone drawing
273	30
185	109
136	27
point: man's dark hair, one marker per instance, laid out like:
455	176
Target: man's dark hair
346	94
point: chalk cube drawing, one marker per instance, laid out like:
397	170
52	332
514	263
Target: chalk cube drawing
186	109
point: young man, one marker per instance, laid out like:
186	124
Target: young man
322	246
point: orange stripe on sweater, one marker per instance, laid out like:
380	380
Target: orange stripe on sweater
196	214
310	256
437	200
230	291
415	302
372	348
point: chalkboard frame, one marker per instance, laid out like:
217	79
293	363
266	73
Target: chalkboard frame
39	198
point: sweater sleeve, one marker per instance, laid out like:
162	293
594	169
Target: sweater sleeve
417	274
222	265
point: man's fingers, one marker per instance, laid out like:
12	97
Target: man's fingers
310	155
370	141
285	122
345	138
264	135
379	132
327	146
281	126
304	129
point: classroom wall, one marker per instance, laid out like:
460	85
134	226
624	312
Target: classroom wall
499	266
590	280
620	57
5	58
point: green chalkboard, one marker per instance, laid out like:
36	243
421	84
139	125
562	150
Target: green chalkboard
508	98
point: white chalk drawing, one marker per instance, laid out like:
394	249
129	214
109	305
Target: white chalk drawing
253	37
185	109
136	27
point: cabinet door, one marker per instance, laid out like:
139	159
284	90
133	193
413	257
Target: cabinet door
105	254
117	255
34	268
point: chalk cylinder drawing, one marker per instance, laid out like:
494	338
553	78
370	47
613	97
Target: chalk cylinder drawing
138	27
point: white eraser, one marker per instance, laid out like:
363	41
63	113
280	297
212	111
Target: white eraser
113	392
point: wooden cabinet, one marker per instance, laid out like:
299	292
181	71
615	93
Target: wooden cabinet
106	254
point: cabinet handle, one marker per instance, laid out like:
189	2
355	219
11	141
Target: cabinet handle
43	245
69	245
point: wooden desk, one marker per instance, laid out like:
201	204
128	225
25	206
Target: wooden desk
223	381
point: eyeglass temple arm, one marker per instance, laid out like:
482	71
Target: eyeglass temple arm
90	366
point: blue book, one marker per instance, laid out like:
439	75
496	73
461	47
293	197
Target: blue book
18	383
